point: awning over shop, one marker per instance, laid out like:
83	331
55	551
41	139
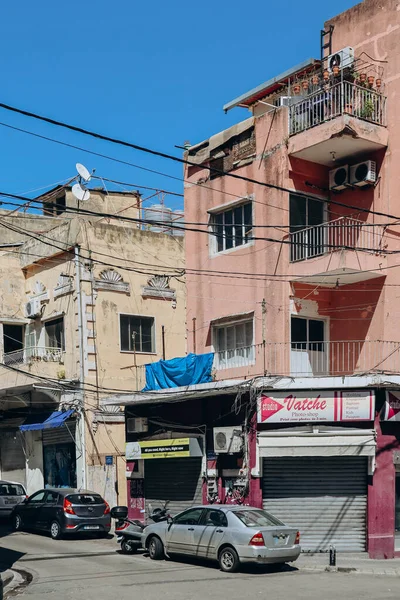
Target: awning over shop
56	419
352	442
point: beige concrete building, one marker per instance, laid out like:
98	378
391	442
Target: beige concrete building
87	300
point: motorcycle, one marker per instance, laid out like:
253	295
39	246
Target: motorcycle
129	531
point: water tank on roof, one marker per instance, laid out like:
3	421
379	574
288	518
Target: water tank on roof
160	215
178	220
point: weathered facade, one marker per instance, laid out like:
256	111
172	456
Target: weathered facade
295	292
86	302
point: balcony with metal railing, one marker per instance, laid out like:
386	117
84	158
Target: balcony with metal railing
29	354
311	359
346	247
342	118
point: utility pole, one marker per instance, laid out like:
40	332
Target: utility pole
263	316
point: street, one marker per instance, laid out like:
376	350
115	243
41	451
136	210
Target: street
92	568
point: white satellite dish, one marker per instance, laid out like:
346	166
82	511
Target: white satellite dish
80	193
83	172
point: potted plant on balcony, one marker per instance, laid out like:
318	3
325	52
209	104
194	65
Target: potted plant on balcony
315	80
305	85
371	80
363	78
367	109
378	84
335	70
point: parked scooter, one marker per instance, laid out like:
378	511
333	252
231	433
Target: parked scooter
129	531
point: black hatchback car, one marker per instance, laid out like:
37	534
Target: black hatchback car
63	511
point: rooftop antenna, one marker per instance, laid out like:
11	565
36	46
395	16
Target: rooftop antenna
80	193
84	172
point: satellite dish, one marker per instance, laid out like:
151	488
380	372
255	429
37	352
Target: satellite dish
80	193
83	172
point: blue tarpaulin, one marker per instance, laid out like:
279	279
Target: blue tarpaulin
56	419
188	370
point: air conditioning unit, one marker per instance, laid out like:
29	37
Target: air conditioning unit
137	425
285	101
342	59
364	173
228	440
33	308
339	178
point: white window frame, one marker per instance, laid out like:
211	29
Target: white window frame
237	358
154	340
222	210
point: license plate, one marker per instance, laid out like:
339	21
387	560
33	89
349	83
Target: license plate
10	501
280	541
92	527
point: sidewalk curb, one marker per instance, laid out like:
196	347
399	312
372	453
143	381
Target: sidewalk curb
15	580
351	570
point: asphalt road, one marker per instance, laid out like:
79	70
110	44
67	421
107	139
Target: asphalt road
93	569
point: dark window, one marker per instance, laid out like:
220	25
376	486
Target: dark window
137	333
307	334
38	497
55	334
13	337
306	218
218	165
257	518
13	344
233	227
11	489
190	517
52	498
86	499
215	518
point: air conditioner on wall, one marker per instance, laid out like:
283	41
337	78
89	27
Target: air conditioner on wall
364	173
228	440
342	59
33	308
339	178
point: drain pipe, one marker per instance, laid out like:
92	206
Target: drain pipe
81	362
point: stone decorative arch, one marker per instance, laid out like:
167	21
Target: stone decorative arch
110	279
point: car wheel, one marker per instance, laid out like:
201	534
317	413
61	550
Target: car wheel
228	560
17	523
156	548
128	548
55	530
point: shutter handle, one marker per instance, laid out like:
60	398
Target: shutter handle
219	531
190	528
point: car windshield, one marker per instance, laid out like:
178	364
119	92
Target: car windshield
85	499
257	518
11	489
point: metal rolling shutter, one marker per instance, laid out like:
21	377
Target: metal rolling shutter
325	497
176	479
60	435
12	457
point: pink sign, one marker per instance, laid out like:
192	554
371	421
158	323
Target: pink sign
392	407
282	407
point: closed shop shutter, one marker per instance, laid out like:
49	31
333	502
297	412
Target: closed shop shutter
60	435
11	452
176	479
325	497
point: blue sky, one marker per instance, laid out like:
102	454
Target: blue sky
154	73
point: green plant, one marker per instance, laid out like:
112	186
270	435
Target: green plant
367	109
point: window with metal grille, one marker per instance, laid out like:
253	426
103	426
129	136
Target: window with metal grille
233	227
137	333
234	344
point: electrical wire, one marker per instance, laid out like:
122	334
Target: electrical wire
184	161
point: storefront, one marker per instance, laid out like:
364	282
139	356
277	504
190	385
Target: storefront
316	453
164	469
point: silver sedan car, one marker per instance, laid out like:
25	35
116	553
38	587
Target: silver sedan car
229	534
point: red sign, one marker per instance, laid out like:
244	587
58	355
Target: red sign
282	407
392	407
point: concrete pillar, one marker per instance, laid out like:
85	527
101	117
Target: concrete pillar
34	461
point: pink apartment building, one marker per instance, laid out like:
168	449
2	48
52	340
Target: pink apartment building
297	284
293	282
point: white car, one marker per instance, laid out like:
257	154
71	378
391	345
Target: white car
229	534
11	494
